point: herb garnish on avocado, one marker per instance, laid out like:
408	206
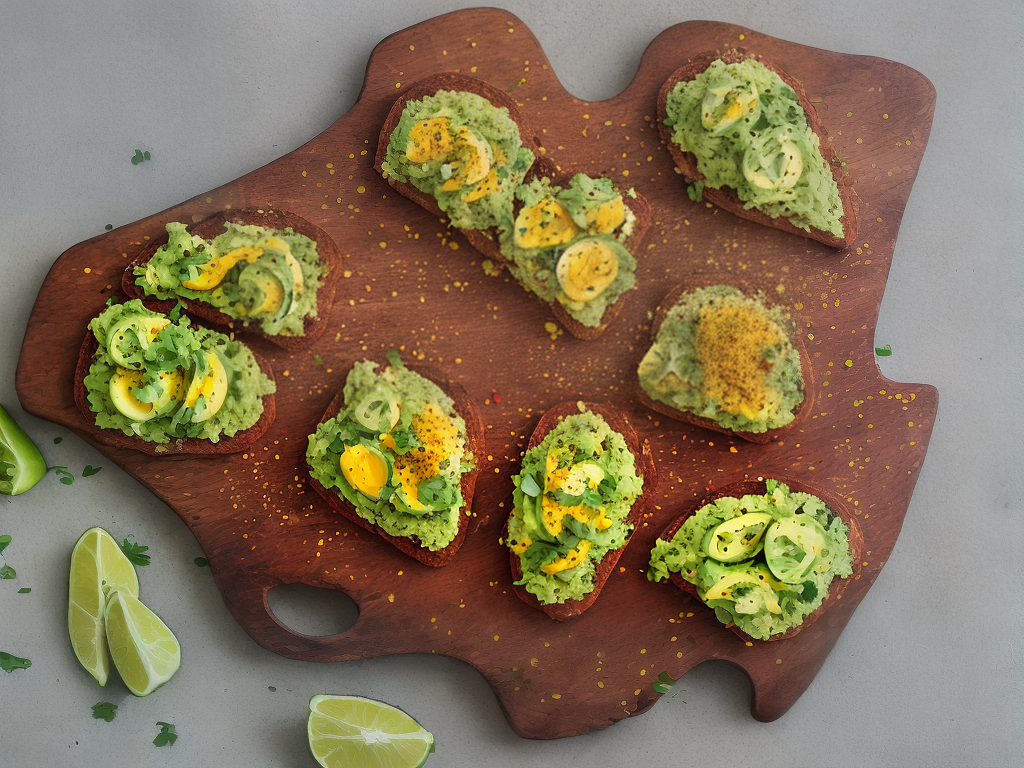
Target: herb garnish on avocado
396	452
251	273
570	504
748	131
764	562
162	380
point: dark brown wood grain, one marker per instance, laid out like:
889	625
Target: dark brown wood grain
415	285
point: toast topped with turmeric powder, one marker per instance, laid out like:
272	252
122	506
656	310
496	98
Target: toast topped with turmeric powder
726	361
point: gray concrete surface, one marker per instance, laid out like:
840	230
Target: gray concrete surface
929	670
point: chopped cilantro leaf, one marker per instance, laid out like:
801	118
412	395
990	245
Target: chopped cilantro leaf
168	735
4	541
24	590
104	711
65	476
394	358
202	562
695	191
9	663
6	572
883	351
90	470
317	360
135	552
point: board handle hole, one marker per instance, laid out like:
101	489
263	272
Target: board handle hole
313	611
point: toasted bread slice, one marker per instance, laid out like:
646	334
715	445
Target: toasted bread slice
836	589
762	438
212	226
619	422
474	443
726	197
641	210
485	241
182	446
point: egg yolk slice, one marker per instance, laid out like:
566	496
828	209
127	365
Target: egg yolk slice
607	217
544	224
429	139
213	387
474	160
586	268
365	469
124	380
572	558
212	273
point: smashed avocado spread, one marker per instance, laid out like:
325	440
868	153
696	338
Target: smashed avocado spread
763	562
396	452
465	152
164	380
567	244
570	504
725	356
251	273
748	131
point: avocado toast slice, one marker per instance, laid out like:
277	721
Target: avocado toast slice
450	121
401	458
722	120
788	378
313	323
88	398
751	494
637	482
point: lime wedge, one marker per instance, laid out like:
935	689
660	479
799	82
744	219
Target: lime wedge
97	566
144	650
353	732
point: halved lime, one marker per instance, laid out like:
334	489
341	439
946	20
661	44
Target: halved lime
144	650
353	732
97	566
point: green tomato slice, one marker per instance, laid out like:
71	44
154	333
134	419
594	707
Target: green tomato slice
793	547
21	464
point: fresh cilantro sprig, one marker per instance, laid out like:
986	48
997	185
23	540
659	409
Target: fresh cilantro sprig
104	711
135	552
6	572
167	736
9	663
63	474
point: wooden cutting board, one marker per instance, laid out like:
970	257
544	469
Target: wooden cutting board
410	283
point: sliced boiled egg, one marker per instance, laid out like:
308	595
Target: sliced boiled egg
366	469
429	139
607	217
213	387
586	268
544	224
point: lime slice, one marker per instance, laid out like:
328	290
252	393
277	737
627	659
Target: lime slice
97	566
144	650
353	732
